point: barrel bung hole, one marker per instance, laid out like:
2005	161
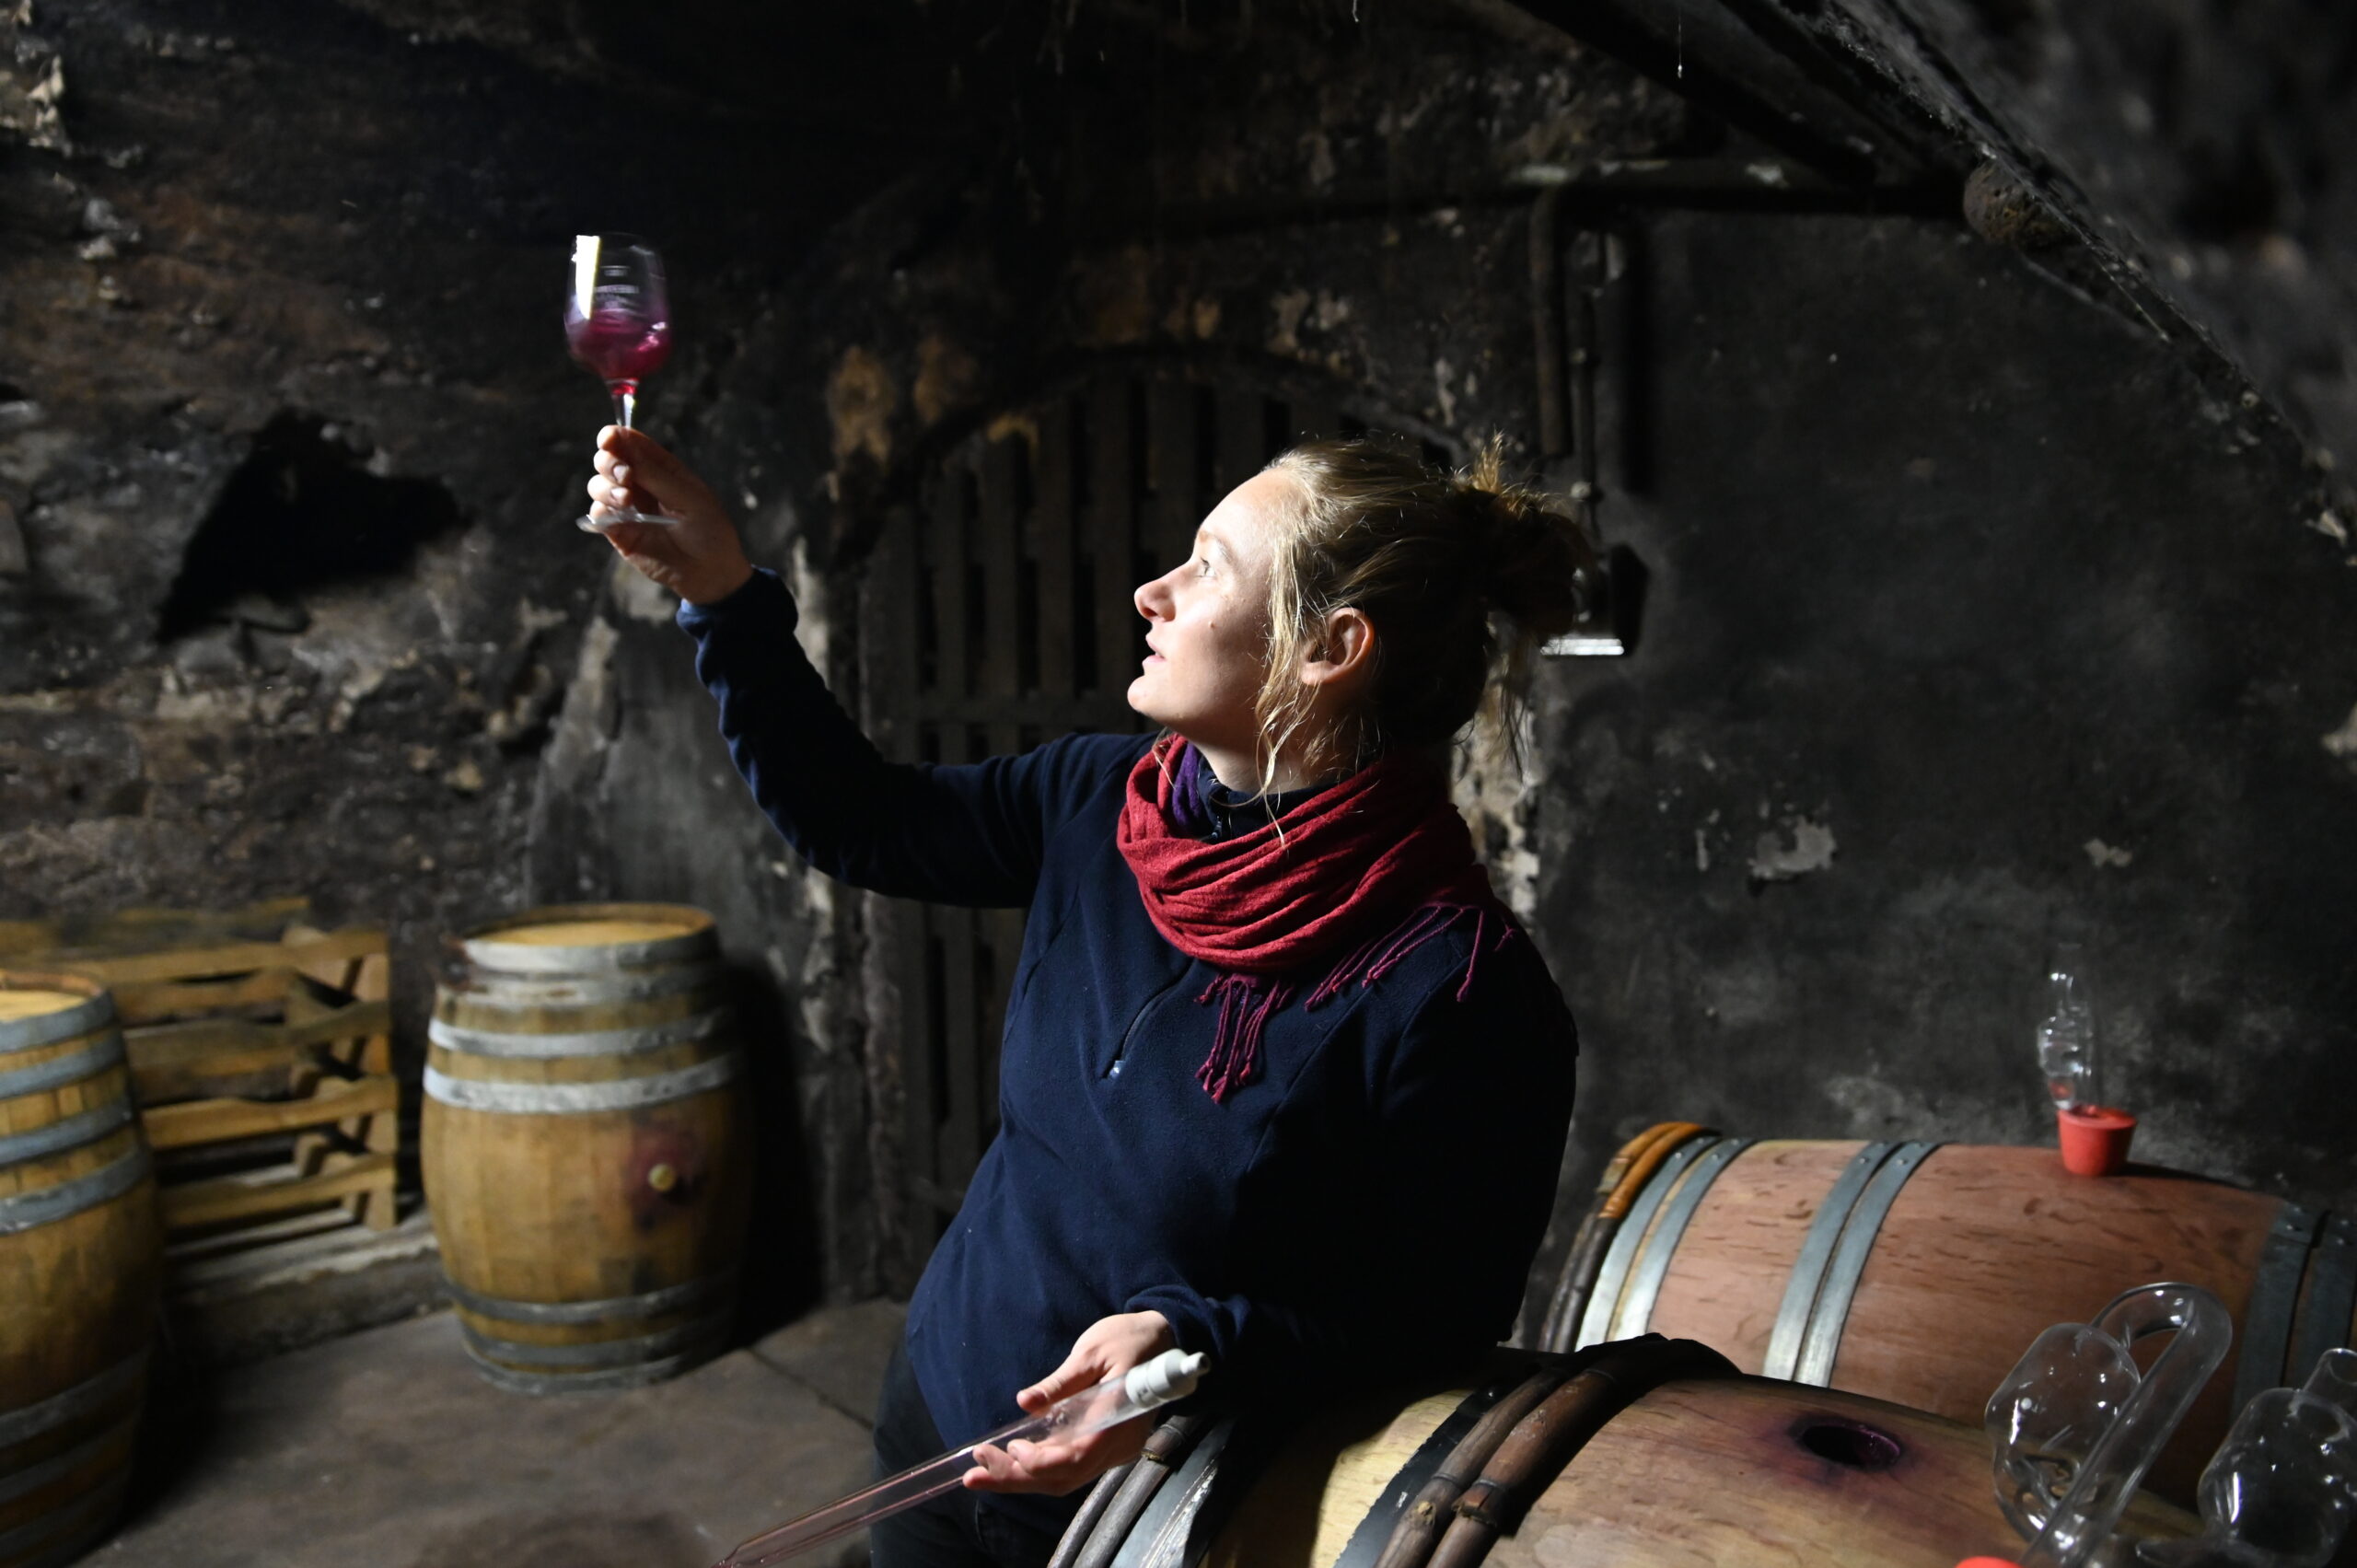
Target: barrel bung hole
1850	1444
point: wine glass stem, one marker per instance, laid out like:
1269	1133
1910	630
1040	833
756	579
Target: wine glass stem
625	404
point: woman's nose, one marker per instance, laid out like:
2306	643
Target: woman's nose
1153	599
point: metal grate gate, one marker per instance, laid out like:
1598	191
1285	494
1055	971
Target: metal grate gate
1003	618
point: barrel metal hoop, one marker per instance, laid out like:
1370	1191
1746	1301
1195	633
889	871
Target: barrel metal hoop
1823	1341
66	1133
672	1298
1374	1532
1160	1535
1595	1323
2274	1297
27	1210
1817	1250
587	1042
91	1393
567	1099
1636	1309
59	1071
528	958
601	1355
31	1034
1092	1509
2331	1298
32	1477
1167	1449
514	993
70	1531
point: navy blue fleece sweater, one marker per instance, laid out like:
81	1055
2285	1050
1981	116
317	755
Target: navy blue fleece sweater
1378	1190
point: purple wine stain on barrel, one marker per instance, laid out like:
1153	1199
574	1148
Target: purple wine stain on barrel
1850	1444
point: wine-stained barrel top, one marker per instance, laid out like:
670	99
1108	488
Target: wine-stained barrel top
1698	1470
1749	1471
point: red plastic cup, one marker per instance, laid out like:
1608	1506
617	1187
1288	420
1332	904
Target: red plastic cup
1988	1563
2095	1138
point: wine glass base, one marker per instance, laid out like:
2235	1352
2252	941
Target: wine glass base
600	518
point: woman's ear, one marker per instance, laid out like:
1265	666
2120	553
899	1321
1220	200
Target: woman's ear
1344	654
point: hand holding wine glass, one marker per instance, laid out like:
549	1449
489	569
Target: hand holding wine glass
694	550
618	322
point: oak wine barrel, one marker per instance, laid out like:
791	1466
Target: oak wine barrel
1919	1272
81	1268
586	1146
1635	1455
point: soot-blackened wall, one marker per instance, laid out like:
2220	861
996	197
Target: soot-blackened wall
1976	621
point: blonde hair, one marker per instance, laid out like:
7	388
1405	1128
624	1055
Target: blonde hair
1461	573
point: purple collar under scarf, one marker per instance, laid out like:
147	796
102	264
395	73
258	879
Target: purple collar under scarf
1202	808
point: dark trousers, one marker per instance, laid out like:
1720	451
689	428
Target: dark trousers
958	1530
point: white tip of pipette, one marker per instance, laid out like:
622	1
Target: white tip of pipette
1170	1376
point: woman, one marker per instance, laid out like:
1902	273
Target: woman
1281	1081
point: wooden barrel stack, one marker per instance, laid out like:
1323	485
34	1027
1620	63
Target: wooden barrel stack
81	1267
1639	1454
586	1146
1919	1272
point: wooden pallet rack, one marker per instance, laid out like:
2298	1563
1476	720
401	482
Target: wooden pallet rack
263	1073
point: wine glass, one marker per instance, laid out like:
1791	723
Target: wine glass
618	322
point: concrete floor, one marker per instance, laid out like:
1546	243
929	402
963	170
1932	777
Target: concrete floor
384	1449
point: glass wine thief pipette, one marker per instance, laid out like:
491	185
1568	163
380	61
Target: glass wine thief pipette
1169	1377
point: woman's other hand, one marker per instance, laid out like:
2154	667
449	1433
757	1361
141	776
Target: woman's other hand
700	558
1108	1348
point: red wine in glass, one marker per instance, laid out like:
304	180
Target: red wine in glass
618	322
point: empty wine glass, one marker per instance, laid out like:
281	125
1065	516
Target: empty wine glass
2283	1487
618	322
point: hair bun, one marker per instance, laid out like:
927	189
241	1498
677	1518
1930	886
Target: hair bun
1462	575
1536	562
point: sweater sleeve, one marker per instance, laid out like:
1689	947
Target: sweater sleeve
1451	1200
971	834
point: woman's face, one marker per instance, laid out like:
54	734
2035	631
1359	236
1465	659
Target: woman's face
1209	622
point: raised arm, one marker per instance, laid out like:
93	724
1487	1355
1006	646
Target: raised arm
967	835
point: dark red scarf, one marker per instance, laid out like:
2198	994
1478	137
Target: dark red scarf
1356	878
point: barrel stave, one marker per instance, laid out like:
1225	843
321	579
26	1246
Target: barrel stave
81	1262
493	1012
99	1269
1308	1500
599	1182
1729	1471
587	1147
66	1484
1699	1472
1981	1251
1726	1283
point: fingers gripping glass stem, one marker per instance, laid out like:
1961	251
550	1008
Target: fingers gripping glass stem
618	322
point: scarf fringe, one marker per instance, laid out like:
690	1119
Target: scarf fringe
1246	1002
